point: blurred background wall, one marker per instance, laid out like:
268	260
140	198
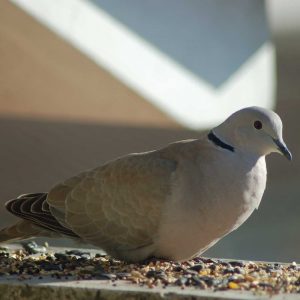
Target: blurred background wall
62	112
184	57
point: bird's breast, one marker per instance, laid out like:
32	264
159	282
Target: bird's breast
231	191
209	202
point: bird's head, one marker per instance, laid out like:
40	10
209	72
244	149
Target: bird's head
255	130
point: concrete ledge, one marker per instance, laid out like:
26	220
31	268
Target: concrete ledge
54	273
98	290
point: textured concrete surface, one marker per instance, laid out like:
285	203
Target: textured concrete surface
55	286
98	290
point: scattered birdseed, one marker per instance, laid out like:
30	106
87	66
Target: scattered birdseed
201	273
33	248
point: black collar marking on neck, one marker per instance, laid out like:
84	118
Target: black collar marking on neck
212	137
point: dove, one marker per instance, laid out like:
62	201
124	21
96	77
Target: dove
172	203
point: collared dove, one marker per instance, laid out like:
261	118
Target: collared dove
172	203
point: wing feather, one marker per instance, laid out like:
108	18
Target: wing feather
32	207
118	204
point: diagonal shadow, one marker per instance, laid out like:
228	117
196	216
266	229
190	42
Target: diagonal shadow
197	34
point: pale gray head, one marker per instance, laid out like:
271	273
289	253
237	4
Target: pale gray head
254	130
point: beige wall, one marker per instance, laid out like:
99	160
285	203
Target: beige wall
44	77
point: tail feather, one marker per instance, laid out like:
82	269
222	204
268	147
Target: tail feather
35	209
22	230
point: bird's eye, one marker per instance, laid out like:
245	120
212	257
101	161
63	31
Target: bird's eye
258	125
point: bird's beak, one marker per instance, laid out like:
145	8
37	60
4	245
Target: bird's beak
283	148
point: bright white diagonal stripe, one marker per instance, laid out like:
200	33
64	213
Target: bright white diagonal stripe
154	75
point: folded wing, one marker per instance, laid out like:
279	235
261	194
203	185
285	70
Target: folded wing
117	205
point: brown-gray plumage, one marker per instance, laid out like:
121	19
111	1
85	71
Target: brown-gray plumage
173	203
